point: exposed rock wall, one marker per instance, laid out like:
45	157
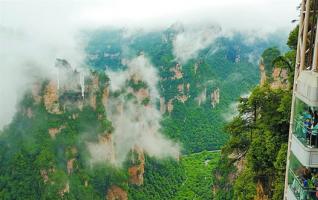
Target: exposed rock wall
54	131
170	106
262	73
215	97
188	87
277	80
182	98
202	97
162	105
280	78
116	193
136	172
178	74
260	192
51	98
105	96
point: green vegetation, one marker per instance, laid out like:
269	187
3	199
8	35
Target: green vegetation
258	136
35	164
269	55
162	180
191	178
256	152
198	182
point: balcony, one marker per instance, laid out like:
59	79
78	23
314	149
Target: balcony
308	156
304	143
307	88
297	190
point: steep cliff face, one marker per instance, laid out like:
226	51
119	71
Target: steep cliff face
51	98
116	193
65	189
105	96
262	72
94	87
278	79
260	192
178	74
182	98
170	106
54	131
202	97
71	110
215	97
163	106
136	172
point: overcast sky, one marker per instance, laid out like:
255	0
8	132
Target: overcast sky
35	32
237	14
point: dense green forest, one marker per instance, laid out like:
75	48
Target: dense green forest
225	65
44	154
253	160
189	179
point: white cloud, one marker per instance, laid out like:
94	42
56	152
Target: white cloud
188	43
134	124
35	32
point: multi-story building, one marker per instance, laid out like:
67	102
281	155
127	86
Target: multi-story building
302	161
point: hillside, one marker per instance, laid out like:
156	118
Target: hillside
196	95
253	162
136	123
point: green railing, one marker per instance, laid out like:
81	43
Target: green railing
307	136
297	187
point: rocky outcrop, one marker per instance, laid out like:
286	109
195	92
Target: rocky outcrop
136	172
44	174
116	193
65	190
93	89
202	97
54	131
260	192
280	78
51	98
277	80
70	166
215	97
180	88
262	72
162	105
105	96
188	87
92	101
170	106
182	98
177	72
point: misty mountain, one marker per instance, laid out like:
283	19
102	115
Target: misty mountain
123	126
216	68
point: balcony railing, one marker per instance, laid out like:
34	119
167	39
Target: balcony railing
306	135
297	187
